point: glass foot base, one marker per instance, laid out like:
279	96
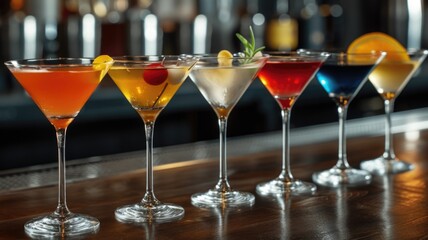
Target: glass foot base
214	198
281	187
336	177
55	226
138	213
381	166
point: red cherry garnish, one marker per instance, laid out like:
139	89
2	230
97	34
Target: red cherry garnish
156	74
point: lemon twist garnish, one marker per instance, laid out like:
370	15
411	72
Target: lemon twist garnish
225	58
250	51
102	63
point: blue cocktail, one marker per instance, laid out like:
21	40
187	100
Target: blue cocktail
342	76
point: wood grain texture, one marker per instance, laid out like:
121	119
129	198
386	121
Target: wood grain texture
392	207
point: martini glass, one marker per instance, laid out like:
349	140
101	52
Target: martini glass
149	83
286	75
342	76
389	78
222	82
60	87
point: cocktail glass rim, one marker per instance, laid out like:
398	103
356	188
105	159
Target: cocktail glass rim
234	56
19	63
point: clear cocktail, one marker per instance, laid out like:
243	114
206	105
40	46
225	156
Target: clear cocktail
222	81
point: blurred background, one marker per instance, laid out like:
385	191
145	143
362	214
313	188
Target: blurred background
108	124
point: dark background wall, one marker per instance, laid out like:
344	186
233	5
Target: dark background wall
108	124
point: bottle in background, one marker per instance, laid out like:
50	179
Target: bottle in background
282	29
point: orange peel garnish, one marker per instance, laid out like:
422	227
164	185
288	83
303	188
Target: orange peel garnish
379	42
225	58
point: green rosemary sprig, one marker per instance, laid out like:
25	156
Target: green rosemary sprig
249	46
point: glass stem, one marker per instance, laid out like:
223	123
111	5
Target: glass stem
149	197
150	230
62	209
223	184
389	150
342	162
285	171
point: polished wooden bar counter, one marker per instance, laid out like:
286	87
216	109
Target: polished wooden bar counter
391	207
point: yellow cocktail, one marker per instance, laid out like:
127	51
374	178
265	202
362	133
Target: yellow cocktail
149	83
146	97
389	78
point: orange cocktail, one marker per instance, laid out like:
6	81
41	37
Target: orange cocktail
60	92
60	87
